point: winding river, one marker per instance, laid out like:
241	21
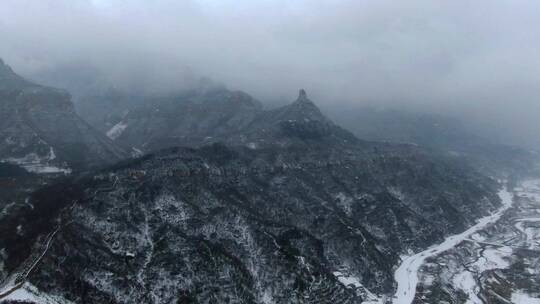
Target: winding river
406	275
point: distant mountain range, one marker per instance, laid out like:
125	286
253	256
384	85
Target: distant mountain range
443	134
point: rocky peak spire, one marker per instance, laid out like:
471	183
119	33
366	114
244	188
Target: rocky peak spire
302	95
4	68
303	108
303	100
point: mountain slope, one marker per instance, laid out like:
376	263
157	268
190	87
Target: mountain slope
219	115
239	225
219	224
40	130
294	209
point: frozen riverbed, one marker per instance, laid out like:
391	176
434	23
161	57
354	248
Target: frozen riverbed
406	275
496	261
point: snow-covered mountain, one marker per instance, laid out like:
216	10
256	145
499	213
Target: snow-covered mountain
294	209
229	202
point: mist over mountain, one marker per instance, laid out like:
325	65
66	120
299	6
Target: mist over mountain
284	202
474	61
269	152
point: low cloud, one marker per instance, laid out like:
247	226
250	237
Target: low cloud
477	60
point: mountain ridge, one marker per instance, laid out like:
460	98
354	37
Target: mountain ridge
234	118
232	205
42	132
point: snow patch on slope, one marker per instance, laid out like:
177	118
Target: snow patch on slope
465	282
38	164
117	130
354	282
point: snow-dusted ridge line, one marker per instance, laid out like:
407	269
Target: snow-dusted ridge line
406	275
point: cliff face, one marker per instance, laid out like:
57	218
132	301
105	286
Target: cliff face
218	224
40	130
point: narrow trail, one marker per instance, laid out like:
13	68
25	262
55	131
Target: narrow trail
406	275
141	276
17	280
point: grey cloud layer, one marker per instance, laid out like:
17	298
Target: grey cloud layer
473	58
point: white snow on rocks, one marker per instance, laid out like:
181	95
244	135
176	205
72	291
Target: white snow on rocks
492	258
354	282
136	152
531	189
466	282
529	232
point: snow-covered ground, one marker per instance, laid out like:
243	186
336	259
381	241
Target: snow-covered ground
406	275
465	282
353	282
489	262
519	297
16	288
528	231
38	164
489	258
28	293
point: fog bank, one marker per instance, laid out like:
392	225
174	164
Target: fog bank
476	60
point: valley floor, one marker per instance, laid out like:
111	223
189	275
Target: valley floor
495	261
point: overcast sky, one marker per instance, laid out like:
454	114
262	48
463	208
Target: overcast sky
474	58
